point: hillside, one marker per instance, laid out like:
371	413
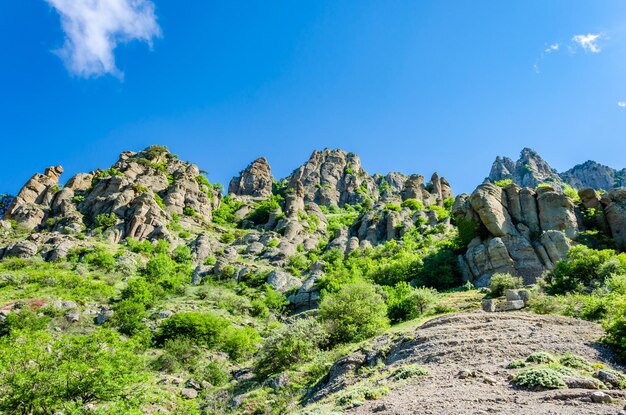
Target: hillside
144	288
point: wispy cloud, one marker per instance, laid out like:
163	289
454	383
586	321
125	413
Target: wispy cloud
589	42
621	104
94	28
552	48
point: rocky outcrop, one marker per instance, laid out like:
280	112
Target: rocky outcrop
255	181
594	175
530	170
333	177
134	198
516	230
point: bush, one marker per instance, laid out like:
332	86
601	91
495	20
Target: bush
541	357
410	371
201	328
392	207
540	378
405	302
100	258
70	372
261	214
105	220
189	211
227	238
128	318
137	247
159	268
290	344
503	182
413	204
182	254
139	291
24	320
502	282
440	270
354	313
209	329
584	269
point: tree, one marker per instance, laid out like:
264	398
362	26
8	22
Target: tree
354	313
43	375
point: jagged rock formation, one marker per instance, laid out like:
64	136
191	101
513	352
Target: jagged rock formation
594	175
138	195
256	180
530	170
517	230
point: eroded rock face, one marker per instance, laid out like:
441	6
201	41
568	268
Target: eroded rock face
517	231
332	177
139	194
256	180
594	175
528	171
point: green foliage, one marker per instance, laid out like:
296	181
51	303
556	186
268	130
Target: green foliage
189	211
144	247
227	238
501	282
210	330
43	375
405	302
442	212
289	345
540	378
261	214
275	300
225	214
541	357
585	269
24	320
575	362
516	364
159	267
128	318
409	371
503	182
392	207
570	192
99	257
159	201
356	312
182	254
440	270
413	204
140	291
203	181
112	172
105	220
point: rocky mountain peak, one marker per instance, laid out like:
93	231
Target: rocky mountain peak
255	180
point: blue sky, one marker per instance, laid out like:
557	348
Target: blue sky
410	86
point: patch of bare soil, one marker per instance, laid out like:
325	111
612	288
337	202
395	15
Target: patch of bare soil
480	346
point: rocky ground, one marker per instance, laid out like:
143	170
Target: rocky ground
467	357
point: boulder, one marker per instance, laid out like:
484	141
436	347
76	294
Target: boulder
255	181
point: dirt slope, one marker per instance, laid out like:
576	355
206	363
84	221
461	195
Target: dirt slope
484	344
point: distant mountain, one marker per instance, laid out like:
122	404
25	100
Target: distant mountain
531	169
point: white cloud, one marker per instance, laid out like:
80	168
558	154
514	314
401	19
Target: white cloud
621	104
93	29
552	48
589	42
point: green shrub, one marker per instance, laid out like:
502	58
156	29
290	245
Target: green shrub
289	345
227	238
439	270
441	212
159	201
354	313
240	343
24	320
413	204
409	371
128	318
159	267
189	211
140	291
570	192
503	182
62	375
501	282
540	378
100	258
182	254
575	362
541	303
584	269
392	207
144	247
541	357
105	220
516	364
405	302
261	214
275	300
201	328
